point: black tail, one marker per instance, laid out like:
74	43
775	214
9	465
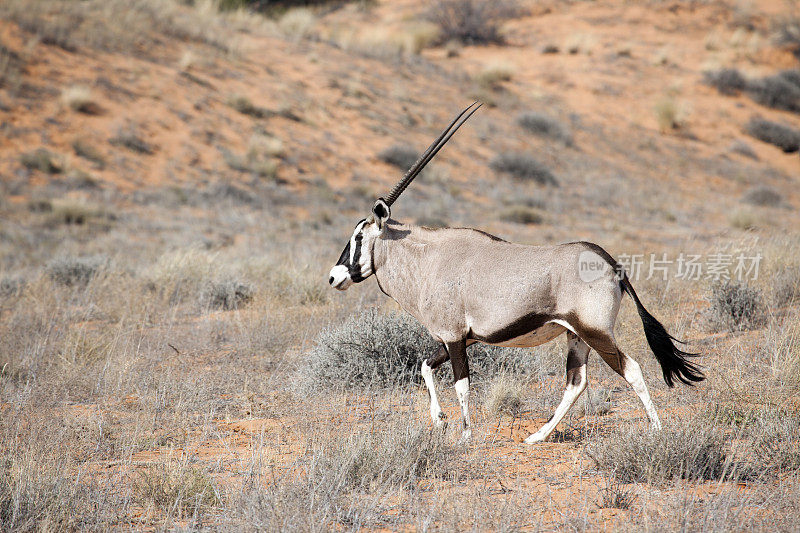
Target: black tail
672	359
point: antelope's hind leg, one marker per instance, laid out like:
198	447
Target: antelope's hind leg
428	366
605	345
577	357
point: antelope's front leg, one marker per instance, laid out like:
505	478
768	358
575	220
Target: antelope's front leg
458	358
428	366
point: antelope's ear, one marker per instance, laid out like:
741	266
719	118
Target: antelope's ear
381	211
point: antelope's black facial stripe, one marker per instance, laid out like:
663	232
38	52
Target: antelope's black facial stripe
351	255
355	265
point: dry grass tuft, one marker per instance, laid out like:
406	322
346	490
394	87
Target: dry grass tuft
492	76
175	490
735	306
79	98
506	395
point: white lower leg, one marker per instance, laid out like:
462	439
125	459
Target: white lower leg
436	410
462	391
571	393
633	375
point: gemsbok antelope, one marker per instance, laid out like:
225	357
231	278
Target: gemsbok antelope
467	286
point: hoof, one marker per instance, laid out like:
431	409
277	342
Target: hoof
440	420
533	439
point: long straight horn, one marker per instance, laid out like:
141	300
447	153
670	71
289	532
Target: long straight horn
423	160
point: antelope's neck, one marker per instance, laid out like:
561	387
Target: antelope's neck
397	259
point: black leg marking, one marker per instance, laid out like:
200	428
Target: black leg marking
458	358
436	360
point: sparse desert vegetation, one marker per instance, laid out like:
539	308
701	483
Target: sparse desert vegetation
177	178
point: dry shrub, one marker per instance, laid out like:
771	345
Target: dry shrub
545	126
43	160
245	106
742	148
130	138
400	155
75	271
227	294
87	151
735	306
763	196
376	350
521	214
778	92
472	21
784	137
727	81
691	449
523	167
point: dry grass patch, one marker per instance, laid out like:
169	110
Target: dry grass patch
175	490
